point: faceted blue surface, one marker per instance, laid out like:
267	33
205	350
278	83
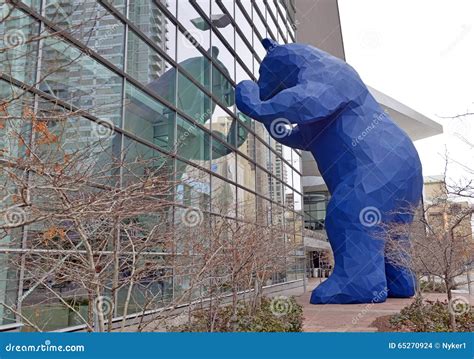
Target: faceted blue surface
310	100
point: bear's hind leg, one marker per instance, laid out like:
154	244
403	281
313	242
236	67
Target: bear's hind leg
359	271
400	281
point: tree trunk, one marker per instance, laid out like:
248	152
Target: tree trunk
417	280
452	316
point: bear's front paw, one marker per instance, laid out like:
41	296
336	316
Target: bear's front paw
247	98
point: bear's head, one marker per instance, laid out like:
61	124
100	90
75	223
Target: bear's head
277	70
286	66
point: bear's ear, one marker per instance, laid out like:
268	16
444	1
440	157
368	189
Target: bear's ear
213	52
269	44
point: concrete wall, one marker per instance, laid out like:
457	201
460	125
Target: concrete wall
292	288
318	24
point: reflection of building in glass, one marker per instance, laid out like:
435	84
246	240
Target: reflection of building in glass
169	91
315	204
147	64
280	172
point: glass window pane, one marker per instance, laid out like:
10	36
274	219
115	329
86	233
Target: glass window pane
245	173
91	24
244	52
34	4
263	183
205	6
226	61
224	197
246	203
194	62
147	16
148	118
196	27
13	149
287	175
278	191
142	160
223	125
88	148
152	70
270	21
19	54
223	160
193	101
13	129
171	5
263	212
193	143
242	74
119	5
194	189
222	21
246	142
80	80
222	88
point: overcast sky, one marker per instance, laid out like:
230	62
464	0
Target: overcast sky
420	52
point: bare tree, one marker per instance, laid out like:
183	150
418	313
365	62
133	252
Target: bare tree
89	222
440	243
226	261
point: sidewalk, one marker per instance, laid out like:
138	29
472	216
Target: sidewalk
349	317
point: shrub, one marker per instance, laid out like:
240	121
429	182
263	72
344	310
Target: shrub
262	319
435	287
429	316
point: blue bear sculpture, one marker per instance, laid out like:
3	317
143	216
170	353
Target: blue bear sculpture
312	101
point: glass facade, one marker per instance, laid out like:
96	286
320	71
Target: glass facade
163	73
315	204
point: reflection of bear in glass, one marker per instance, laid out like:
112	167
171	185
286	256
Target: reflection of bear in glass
194	103
310	100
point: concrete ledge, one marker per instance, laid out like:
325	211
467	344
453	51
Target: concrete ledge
294	287
14	327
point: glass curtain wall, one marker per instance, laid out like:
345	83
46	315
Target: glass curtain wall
162	74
